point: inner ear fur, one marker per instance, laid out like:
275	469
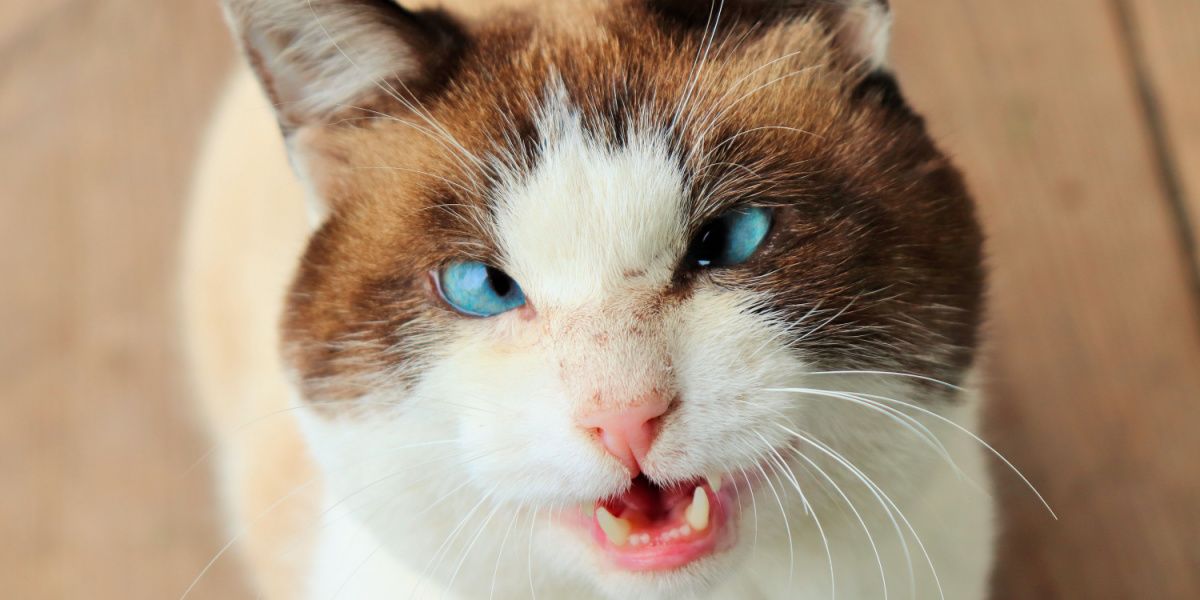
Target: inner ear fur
860	29
315	58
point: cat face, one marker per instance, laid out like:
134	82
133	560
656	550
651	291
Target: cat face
603	276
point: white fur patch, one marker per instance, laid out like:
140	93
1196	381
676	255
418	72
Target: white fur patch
589	214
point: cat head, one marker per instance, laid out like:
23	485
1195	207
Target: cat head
595	267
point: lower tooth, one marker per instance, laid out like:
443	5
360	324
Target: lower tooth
615	529
696	514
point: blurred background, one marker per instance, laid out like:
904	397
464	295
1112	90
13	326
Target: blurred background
1077	123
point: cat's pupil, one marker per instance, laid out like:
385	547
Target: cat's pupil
501	283
710	244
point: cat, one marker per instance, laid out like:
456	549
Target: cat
605	299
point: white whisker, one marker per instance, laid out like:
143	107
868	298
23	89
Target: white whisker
917	428
470	545
529	555
869	483
974	437
754	508
500	553
861	521
786	527
439	554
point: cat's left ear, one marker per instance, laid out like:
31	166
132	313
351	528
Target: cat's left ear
317	57
859	28
320	60
863	28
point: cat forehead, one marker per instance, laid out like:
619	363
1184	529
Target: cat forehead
616	140
590	215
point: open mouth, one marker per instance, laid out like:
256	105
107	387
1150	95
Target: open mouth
649	528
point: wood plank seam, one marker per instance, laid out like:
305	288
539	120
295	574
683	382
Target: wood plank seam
1166	162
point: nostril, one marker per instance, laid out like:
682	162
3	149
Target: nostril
651	426
628	433
621	444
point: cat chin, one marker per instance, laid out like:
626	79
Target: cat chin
579	563
698	579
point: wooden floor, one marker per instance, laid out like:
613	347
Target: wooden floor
1077	122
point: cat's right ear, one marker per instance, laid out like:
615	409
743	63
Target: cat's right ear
315	58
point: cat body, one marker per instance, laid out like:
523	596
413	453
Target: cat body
724	349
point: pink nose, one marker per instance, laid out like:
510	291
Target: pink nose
627	433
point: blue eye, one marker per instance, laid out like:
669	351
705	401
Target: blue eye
476	289
731	238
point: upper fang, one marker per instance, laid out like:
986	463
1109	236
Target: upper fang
697	512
